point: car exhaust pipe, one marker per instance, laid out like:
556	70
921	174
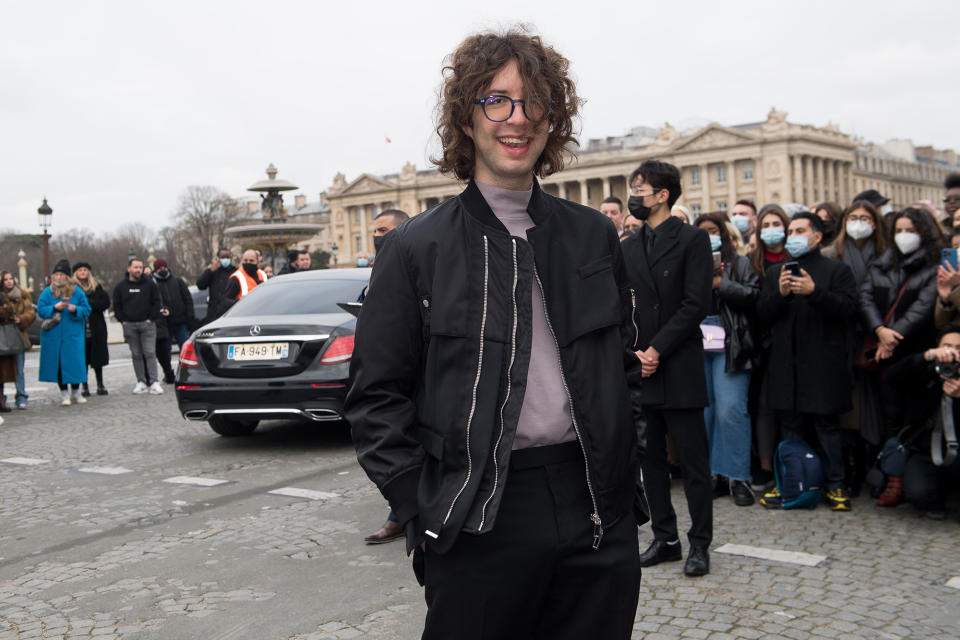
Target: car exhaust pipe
321	415
196	414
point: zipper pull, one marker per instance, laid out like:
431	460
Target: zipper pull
597	530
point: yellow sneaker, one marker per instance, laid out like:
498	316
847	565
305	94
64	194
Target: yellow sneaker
838	500
772	499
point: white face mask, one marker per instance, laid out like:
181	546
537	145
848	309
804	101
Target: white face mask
858	229
907	242
886	209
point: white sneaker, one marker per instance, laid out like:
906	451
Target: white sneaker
155	388
76	398
65	401
140	388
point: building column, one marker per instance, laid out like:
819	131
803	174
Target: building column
365	213
562	190
731	185
797	193
705	189
807	180
607	190
584	193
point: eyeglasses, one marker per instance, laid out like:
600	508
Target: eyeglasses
636	191
500	108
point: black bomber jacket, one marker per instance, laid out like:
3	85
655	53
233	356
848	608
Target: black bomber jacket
442	348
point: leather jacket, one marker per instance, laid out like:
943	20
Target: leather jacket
736	302
442	349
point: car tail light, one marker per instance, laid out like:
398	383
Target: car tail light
340	350
188	355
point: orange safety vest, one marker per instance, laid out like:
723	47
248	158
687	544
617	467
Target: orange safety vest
247	284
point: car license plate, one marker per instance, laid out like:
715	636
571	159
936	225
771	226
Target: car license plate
258	351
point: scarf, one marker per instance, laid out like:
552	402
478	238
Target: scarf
64	291
14	295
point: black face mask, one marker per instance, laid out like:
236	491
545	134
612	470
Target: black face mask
378	242
163	275
637	209
250	269
829	231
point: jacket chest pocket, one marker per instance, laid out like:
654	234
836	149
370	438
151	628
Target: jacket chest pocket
593	302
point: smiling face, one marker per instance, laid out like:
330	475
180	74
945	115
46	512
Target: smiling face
507	151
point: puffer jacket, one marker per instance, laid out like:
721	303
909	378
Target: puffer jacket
442	349
736	300
913	317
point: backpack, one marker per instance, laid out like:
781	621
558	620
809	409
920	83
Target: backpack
799	475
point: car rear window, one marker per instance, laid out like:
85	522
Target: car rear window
280	298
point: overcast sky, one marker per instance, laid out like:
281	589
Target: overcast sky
110	109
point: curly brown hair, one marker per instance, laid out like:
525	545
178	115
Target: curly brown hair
548	89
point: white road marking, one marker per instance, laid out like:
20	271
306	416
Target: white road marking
954	582
293	492
199	482
25	461
793	557
108	471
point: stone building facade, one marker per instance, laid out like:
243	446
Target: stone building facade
770	161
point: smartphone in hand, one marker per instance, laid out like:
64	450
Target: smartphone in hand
793	267
949	256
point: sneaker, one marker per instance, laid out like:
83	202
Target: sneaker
763	481
22	405
838	499
742	494
140	388
155	388
77	398
772	499
65	401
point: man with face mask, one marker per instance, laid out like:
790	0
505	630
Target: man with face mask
214	278
384	223
808	311
744	218
176	314
243	280
670	270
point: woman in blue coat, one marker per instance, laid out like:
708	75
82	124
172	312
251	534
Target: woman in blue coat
62	357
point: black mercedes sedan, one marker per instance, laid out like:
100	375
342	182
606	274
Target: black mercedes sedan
282	351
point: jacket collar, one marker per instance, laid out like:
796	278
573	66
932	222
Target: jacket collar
666	234
539	207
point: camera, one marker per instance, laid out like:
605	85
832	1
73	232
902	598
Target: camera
948	369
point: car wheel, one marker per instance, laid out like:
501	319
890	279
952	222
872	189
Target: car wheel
230	427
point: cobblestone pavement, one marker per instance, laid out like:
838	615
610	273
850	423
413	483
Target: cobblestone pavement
117	551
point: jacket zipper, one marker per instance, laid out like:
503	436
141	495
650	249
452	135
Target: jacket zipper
513	353
476	381
633	318
595	516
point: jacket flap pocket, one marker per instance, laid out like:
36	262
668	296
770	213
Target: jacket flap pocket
604	263
431	442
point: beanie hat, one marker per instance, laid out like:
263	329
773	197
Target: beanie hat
63	266
82	264
160	263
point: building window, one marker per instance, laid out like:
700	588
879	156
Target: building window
356	214
721	173
358	241
694	177
722	206
696	210
748	170
374	211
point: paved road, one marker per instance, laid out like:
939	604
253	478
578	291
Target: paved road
97	542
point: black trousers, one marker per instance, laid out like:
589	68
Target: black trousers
689	434
536	574
926	485
829	435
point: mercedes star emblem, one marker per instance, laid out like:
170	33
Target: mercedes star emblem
255	330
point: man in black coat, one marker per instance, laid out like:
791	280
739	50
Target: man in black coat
176	314
215	278
670	268
810	312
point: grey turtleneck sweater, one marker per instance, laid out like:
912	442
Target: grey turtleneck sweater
545	416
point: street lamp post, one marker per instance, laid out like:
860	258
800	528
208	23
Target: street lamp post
46	216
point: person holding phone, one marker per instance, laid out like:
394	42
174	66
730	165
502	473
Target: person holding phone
947	309
807	309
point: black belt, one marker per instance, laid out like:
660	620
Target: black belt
546	455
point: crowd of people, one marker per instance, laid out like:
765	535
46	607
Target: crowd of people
825	324
153	305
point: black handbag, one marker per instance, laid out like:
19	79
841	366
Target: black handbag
11	340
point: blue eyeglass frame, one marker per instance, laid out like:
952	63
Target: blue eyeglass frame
513	104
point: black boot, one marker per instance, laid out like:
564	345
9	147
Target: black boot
86	391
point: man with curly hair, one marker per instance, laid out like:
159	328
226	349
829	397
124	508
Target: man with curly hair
494	370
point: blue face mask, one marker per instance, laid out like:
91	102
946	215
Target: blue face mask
715	243
363	262
772	236
225	262
797	246
741	222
